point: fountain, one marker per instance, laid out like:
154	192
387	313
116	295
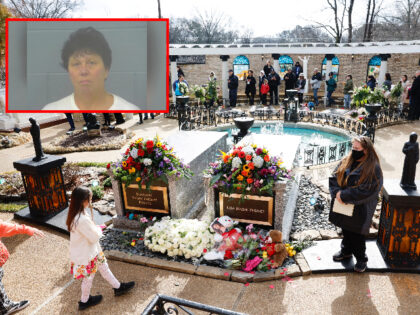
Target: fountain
243	124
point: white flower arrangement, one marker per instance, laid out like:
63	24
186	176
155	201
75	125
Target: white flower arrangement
258	161
147	162
179	237
236	163
183	88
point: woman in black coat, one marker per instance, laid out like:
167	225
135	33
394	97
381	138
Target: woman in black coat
356	181
250	88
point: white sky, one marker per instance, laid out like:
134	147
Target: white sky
267	17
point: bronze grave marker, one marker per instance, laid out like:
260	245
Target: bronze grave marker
253	209
153	200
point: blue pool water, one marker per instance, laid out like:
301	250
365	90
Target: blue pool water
308	136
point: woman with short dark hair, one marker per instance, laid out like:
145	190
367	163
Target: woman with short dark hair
388	82
356	182
87	58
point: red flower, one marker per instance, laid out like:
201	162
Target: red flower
149	144
130	160
228	255
266	158
248	157
249	180
108	166
205	250
257	250
251	166
141	238
241	154
258	151
150	150
140	153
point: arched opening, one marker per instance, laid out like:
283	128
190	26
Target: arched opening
241	67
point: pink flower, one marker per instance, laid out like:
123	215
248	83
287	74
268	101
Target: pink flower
249	227
251	264
144	220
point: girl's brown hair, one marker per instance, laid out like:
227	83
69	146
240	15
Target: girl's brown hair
367	164
79	195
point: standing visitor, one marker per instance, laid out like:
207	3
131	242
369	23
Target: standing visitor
267	68
212	76
371	82
85	251
348	88
264	91
71	122
290	81
175	85
250	89
297	69
301	87
331	86
8	229
405	84
233	88
273	83
316	84
388	82
356	182
179	71
414	113
261	79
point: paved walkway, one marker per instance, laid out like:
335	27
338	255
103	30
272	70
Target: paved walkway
38	270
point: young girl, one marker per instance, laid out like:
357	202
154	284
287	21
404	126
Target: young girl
9	229
264	91
85	251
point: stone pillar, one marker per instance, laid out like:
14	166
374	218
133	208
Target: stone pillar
276	64
383	69
305	71
328	70
225	69
174	74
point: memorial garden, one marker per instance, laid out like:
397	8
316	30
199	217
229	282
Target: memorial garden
219	202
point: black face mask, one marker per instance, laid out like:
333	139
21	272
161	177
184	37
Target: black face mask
357	155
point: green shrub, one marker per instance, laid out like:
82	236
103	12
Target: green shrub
107	182
97	192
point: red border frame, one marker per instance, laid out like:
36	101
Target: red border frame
91	111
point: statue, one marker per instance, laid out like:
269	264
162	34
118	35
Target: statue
36	138
411	151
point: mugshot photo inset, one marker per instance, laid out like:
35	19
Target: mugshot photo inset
80	65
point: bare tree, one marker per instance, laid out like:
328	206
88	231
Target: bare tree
338	8
43	8
349	15
404	23
373	9
159	12
246	36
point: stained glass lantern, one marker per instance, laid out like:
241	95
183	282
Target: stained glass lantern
399	227
44	185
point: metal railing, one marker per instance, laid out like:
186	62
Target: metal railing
163	304
317	155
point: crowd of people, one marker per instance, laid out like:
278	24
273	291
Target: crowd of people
269	82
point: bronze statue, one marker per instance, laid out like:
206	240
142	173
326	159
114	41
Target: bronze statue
36	138
411	151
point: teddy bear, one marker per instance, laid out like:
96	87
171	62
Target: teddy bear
277	248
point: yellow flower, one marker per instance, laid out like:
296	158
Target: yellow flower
254	146
245	167
264	151
240	178
132	170
138	179
124	163
139	140
159	145
264	254
279	162
133	243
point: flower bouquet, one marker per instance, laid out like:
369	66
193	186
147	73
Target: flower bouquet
183	88
211	92
361	96
179	237
199	92
247	170
149	161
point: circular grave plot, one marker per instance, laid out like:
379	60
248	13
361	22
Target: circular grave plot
8	140
110	139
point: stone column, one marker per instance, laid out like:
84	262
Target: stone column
225	69
305	71
383	69
174	74
328	70
276	64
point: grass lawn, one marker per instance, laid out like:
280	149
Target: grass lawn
11	207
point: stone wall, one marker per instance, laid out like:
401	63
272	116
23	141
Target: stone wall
398	65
